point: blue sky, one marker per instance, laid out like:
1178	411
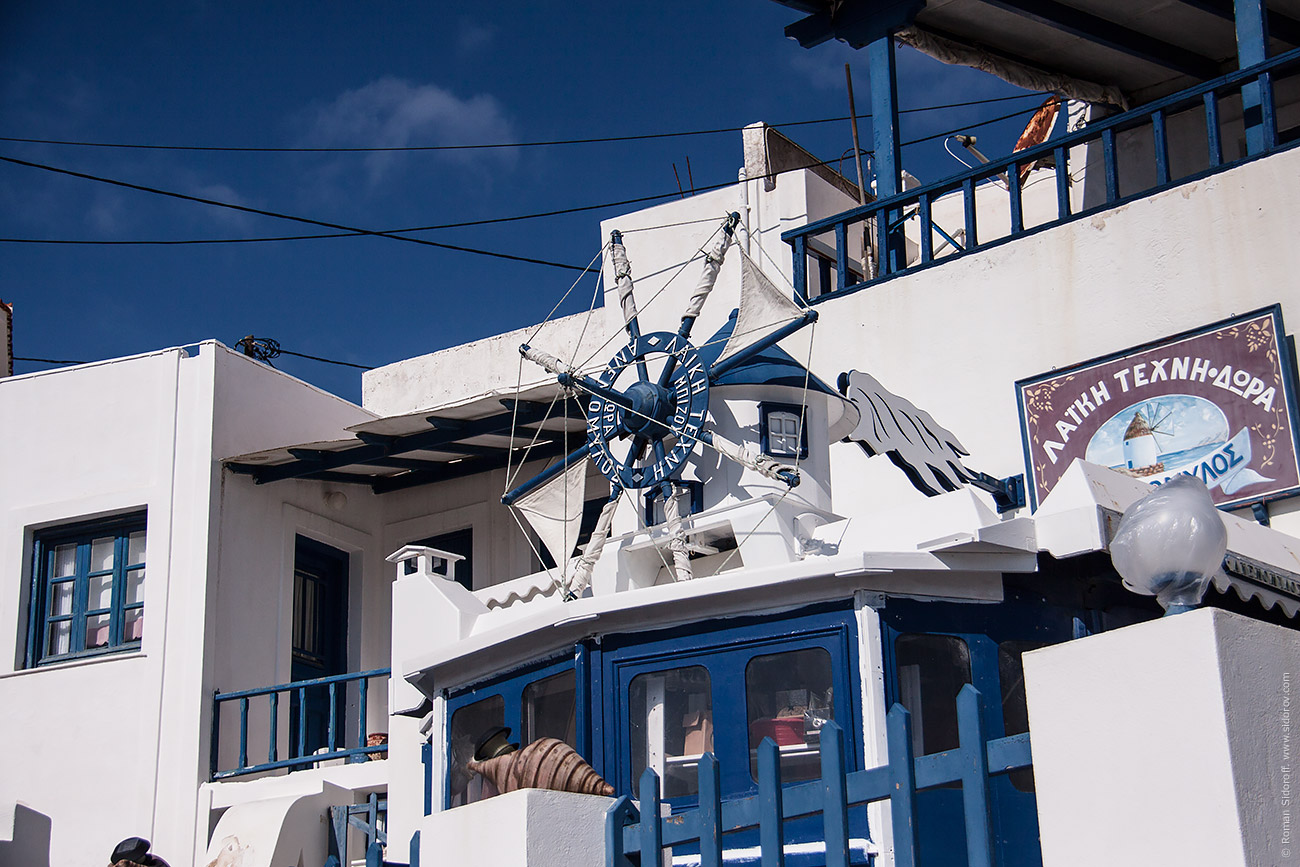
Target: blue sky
295	74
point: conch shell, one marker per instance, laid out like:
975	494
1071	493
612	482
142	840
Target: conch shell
546	763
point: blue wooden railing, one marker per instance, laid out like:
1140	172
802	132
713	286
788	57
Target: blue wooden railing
371	818
337	740
632	828
886	217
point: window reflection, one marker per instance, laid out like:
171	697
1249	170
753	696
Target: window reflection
549	710
1015	712
671	716
788	697
932	669
468	725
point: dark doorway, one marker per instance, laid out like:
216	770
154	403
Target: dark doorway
320	643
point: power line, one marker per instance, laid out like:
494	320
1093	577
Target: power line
50	360
485	145
279	216
400	234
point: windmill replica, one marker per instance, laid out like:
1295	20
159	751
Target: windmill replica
649	417
648	411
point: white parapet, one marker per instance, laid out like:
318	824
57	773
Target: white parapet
528	828
1168	742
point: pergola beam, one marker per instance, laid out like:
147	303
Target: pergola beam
1100	31
445	435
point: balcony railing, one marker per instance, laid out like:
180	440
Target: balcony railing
631	828
884	220
317	726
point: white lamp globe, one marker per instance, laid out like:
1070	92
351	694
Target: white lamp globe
1170	543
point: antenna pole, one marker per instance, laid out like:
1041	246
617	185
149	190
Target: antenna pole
862	190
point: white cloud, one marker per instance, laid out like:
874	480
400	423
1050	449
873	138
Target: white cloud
392	112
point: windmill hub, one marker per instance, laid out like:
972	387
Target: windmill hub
651	406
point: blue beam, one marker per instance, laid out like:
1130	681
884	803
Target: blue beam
883	70
1252	48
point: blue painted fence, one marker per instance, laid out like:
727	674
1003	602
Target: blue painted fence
338	741
831	796
885	218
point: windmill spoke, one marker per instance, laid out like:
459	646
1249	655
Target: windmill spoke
637	450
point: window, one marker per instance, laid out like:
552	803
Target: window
782	431
468	725
549	709
538	703
672	726
789	697
1015	713
932	669
87	589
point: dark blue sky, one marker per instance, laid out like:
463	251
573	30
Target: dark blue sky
292	74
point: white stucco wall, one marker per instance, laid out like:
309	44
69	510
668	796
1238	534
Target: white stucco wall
115	746
1169	742
954	339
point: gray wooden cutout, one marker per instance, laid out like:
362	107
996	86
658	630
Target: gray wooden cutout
928	453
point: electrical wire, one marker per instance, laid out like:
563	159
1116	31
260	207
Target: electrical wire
50	360
279	216
401	234
487	145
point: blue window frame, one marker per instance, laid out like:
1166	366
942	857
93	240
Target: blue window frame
547	700
782	430
87	593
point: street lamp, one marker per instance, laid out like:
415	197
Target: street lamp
1170	544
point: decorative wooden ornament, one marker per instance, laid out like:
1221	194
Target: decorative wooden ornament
546	763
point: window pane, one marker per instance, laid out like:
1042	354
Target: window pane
931	670
100	592
65	561
133	630
468	725
783	433
97	631
135	548
134	587
549	710
101	553
1015	713
788	697
672	725
60	638
61	598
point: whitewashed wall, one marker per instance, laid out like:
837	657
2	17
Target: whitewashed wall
116	746
955	338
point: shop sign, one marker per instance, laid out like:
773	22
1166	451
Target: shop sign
1217	403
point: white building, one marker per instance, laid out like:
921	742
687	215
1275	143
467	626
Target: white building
225	529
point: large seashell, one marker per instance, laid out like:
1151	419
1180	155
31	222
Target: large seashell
546	763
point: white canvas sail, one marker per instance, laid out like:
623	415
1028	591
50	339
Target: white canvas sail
763	308
554	511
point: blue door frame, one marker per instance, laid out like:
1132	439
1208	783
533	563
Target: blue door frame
725	652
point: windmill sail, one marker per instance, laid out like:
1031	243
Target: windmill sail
763	308
554	511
